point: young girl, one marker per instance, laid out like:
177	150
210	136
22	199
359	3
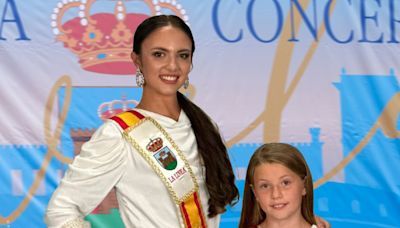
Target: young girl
278	190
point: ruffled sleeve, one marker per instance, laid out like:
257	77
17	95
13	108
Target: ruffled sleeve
93	173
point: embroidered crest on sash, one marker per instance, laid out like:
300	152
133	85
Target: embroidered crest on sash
166	158
163	155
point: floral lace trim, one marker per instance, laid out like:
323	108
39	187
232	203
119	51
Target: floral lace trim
77	223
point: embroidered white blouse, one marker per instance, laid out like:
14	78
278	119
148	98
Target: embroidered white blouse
108	160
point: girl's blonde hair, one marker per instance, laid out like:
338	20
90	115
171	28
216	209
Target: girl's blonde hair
288	156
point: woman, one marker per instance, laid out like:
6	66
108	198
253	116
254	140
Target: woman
165	158
278	190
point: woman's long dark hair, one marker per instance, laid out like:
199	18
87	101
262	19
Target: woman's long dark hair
219	174
220	179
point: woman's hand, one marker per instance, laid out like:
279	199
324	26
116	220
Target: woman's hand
321	223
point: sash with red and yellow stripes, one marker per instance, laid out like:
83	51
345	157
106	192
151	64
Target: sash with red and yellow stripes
159	150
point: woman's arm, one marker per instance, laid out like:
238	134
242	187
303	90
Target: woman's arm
93	173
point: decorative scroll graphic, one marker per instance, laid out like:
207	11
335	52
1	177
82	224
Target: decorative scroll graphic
52	139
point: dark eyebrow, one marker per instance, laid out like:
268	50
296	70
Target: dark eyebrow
166	50
159	49
184	50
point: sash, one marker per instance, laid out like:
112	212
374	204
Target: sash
162	154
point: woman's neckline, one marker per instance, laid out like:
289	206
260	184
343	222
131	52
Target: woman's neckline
163	116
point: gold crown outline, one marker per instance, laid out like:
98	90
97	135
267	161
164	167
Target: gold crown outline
154	145
114	107
103	41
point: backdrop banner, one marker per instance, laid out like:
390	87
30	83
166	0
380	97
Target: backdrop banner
321	75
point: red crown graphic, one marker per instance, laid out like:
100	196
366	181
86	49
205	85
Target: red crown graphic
102	40
114	107
154	145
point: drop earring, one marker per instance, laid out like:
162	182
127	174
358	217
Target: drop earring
186	84
139	78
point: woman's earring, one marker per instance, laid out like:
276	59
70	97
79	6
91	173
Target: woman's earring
186	84
139	78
